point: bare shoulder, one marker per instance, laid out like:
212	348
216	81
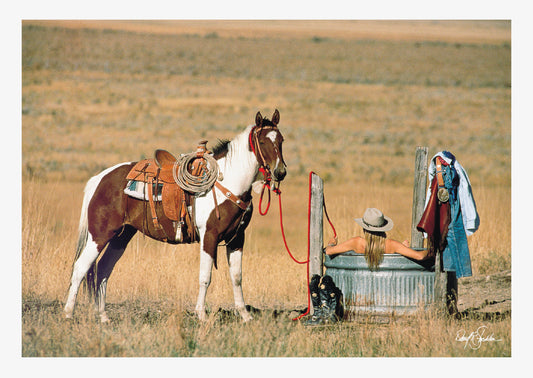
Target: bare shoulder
358	244
394	246
353	244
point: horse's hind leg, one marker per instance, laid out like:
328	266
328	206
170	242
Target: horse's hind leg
112	254
102	213
82	265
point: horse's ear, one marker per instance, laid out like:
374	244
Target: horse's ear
258	119
275	117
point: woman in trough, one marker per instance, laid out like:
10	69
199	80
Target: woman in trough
375	242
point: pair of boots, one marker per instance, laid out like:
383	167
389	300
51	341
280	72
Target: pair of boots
327	301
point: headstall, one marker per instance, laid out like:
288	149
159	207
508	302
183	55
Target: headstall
253	140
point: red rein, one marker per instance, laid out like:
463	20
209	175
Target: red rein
266	185
278	192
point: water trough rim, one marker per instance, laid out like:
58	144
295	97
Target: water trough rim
392	261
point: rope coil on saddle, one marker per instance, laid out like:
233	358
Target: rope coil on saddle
191	183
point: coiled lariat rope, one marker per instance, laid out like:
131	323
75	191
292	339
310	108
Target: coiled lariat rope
191	183
278	192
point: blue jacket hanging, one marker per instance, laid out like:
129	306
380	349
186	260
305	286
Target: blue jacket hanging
461	215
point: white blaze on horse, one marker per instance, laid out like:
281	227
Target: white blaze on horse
110	218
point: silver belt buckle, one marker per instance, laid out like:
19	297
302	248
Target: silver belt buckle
443	195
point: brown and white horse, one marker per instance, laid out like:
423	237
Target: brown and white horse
110	218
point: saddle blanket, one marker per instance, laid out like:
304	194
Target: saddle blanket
139	190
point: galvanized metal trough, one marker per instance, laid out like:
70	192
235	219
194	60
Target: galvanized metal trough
400	285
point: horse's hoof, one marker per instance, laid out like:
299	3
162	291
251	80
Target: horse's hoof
104	319
202	316
246	317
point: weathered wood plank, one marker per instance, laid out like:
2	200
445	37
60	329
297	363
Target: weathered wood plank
419	195
316	227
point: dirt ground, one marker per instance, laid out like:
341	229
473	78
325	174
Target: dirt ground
487	296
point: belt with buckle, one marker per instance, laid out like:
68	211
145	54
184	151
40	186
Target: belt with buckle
442	193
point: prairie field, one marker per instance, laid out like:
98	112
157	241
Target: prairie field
355	98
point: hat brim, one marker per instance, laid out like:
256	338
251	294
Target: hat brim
387	227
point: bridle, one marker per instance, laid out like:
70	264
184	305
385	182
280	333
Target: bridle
264	168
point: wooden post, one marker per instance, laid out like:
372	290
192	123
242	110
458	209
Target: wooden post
441	285
419	195
316	226
444	291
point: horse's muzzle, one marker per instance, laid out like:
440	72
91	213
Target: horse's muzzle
279	173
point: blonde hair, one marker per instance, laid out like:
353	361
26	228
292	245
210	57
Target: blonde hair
375	248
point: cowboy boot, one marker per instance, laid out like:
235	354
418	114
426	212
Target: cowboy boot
336	299
331	298
339	308
316	318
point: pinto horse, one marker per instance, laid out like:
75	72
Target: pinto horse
110	218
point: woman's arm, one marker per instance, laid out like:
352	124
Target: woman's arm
356	244
394	246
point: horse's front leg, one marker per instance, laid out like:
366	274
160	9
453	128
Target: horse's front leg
235	271
206	266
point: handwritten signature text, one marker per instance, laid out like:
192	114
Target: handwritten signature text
475	339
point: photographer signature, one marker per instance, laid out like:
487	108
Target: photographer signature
476	338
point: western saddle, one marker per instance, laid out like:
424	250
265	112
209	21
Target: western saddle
158	175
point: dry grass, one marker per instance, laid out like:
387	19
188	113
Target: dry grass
352	109
152	329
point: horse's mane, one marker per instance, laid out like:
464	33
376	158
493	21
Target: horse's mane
220	148
267	122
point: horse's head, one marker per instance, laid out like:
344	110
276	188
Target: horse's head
266	142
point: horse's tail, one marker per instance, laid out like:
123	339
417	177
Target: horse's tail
89	282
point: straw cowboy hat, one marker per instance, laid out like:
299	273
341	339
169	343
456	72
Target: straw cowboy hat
374	220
